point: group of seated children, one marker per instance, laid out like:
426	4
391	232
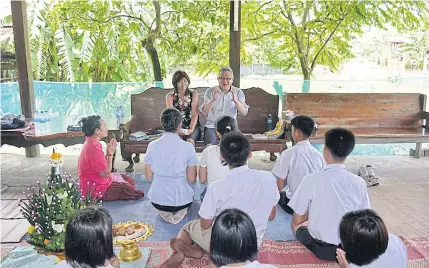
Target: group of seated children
365	242
330	206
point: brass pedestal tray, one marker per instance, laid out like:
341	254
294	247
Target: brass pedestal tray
129	251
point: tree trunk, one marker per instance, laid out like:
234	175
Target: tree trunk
306	83
156	65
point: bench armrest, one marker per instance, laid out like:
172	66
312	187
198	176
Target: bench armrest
424	115
125	129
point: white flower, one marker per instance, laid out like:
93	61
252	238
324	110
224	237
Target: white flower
49	199
62	196
57	227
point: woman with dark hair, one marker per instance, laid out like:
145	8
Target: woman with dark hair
366	242
212	166
95	169
171	164
186	101
234	241
89	240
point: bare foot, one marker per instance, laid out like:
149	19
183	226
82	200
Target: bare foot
190	251
174	261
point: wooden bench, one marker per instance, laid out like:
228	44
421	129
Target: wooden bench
374	118
147	106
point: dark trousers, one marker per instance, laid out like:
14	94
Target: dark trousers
169	208
195	135
322	250
283	203
210	136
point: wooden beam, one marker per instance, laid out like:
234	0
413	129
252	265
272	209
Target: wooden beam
235	39
23	62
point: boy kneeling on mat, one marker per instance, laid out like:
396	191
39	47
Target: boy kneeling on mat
322	198
252	191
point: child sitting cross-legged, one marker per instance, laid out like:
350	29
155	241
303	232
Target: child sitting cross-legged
367	244
170	163
252	191
322	198
212	166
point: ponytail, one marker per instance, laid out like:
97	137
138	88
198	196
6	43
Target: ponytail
225	124
90	124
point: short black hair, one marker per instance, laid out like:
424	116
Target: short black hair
303	123
235	149
90	124
171	119
233	238
177	76
225	124
364	236
340	142
89	239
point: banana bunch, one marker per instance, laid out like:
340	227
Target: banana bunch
277	132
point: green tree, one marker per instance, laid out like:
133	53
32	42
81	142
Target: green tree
311	33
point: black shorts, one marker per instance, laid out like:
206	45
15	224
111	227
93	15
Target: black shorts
169	208
322	250
283	203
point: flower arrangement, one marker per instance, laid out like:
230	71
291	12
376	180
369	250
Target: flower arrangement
48	209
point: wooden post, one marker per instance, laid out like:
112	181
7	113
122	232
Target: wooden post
235	39
23	62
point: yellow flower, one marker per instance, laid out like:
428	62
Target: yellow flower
56	156
30	229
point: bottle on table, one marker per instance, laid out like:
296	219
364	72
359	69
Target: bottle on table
36	116
270	122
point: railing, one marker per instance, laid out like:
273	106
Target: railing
103	98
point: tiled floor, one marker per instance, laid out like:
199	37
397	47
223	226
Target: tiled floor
402	198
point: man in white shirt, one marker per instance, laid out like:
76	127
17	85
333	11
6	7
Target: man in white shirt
297	162
322	198
222	100
252	191
171	162
367	244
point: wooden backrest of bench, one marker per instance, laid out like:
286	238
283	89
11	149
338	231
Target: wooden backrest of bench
359	110
147	107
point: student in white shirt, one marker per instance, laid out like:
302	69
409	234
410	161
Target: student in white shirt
172	163
367	244
323	198
252	191
297	162
212	166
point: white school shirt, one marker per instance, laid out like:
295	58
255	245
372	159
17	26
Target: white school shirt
328	195
253	264
396	256
252	191
169	156
210	158
297	162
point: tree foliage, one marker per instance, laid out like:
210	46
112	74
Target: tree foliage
311	33
109	40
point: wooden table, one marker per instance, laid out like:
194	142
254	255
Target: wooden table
55	132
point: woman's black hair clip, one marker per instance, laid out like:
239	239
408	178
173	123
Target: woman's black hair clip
224	163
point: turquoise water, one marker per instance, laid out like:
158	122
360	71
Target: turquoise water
102	98
378	149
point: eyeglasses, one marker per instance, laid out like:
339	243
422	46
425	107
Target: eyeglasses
225	78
